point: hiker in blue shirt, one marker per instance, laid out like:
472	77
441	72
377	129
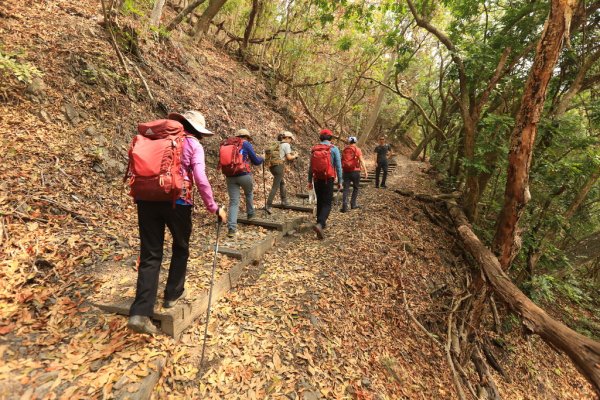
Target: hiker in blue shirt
242	180
325	165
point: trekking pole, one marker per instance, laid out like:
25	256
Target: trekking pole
266	209
210	291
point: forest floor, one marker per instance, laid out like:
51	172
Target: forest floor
316	319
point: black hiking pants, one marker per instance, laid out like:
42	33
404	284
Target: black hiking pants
153	216
354	178
324	192
381	166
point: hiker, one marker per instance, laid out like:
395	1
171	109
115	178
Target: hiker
352	164
275	157
325	165
382	150
155	211
236	156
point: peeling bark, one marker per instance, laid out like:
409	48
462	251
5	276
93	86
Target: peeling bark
524	132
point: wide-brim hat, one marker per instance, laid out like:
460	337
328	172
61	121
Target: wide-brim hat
244	133
194	118
289	134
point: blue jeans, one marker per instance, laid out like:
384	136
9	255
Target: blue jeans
234	183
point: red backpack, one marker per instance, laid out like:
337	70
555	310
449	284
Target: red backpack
320	162
350	160
154	168
231	160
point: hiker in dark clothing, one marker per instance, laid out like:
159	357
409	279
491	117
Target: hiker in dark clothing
244	181
382	150
352	164
325	165
282	153
153	216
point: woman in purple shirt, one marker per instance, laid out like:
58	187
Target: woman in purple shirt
153	216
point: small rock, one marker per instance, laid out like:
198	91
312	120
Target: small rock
95	366
365	382
96	167
311	395
71	114
417	217
90	131
43	115
36	88
292	395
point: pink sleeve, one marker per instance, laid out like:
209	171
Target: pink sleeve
198	169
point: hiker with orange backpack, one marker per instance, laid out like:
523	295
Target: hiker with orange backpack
165	160
352	164
325	165
236	155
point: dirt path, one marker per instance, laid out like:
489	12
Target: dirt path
324	318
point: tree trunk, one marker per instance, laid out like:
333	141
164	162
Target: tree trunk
249	27
523	136
156	12
375	108
207	16
472	188
577	84
583	351
184	13
550	236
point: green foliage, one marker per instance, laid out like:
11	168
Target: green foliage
22	71
136	7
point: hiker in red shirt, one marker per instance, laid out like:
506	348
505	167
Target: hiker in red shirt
153	216
352	163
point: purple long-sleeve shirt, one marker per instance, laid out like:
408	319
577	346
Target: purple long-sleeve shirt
192	160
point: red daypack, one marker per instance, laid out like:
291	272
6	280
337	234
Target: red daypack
231	160
320	162
154	168
350	160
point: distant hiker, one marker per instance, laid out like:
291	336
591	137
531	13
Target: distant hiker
325	165
236	155
163	193
352	164
382	150
275	157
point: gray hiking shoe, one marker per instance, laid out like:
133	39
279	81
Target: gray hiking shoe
319	231
231	233
141	324
172	303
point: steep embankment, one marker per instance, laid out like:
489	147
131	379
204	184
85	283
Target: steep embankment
319	319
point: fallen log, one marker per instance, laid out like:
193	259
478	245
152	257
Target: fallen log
583	351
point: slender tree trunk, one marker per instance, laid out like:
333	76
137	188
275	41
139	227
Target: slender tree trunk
249	27
375	108
523	136
550	236
184	13
207	16
156	12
